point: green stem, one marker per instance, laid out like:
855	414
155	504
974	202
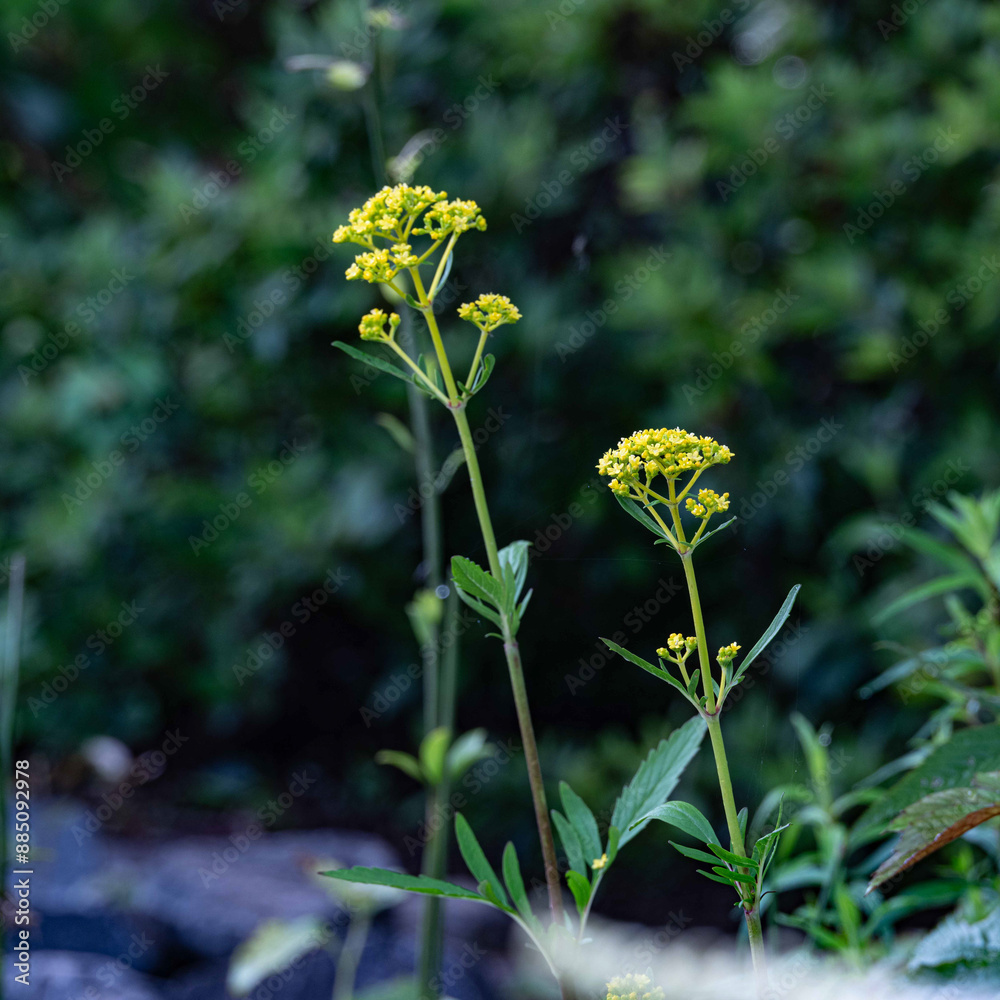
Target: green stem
350	956
516	672
434	860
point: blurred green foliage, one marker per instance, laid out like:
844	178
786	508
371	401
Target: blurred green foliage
771	222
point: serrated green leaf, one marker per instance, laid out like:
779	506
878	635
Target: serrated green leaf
578	813
956	940
656	778
475	860
969	752
476	582
938	819
614	839
514	561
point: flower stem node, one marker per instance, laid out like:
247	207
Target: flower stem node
372	326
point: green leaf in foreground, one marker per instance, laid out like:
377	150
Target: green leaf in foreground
408	883
938	819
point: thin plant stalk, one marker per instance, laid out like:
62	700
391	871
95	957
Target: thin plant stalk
711	716
438	690
350	955
511	649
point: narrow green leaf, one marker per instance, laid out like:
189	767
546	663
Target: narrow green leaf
475	860
570	842
933	588
614	837
581	888
515	883
708	534
716	878
733	859
578	813
734	876
483	375
406	763
373	360
772	630
634	510
692	852
409	883
637	660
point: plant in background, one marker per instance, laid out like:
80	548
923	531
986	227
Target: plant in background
402	230
635	468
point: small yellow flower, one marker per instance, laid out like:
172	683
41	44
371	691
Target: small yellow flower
599	863
372	326
677	644
451	217
386	214
726	653
490	311
708	503
633	987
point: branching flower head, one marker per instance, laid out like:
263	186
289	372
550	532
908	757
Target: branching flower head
708	503
633	987
677	647
490	311
372	326
394	215
645	455
388	213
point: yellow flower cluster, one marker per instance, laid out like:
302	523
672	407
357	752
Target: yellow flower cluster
633	987
708	503
663	452
676	643
387	214
392	215
726	653
599	863
448	217
372	326
379	266
490	311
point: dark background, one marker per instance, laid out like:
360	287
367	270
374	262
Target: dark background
743	140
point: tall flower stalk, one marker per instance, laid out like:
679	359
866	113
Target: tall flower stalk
387	227
636	467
